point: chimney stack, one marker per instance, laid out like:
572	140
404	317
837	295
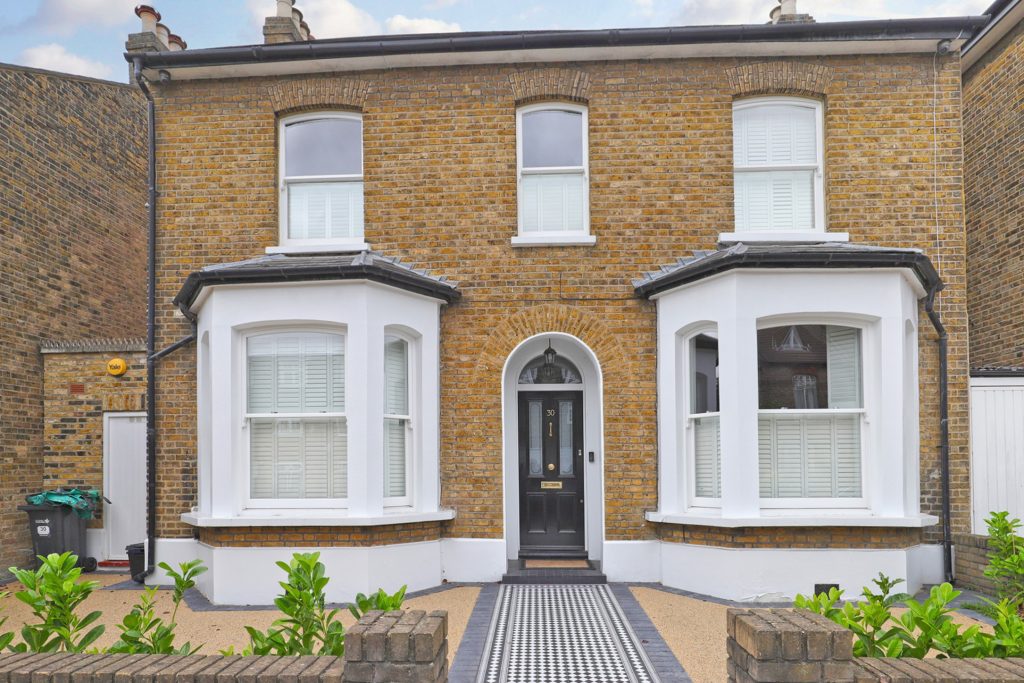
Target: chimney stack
785	13
153	36
286	26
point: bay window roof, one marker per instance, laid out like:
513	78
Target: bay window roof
703	264
365	265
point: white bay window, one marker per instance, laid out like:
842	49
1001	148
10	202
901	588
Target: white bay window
703	419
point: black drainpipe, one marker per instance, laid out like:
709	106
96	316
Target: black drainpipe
152	356
947	532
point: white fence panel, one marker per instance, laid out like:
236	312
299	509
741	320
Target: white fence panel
997	447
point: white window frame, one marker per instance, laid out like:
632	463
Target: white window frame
288	244
562	237
688	441
819	232
246	416
412	387
864	411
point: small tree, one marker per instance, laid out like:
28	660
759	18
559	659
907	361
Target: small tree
1006	558
142	632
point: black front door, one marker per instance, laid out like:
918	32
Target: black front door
551	473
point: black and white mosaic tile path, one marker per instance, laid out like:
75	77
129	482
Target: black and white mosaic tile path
559	633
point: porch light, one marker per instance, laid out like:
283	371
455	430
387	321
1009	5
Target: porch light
549	373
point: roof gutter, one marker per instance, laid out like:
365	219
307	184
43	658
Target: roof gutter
934	28
1002	16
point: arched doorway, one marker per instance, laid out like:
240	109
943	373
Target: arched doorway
553	449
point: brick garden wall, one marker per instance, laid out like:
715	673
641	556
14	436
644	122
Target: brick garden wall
993	177
970	559
77	390
440	192
72	249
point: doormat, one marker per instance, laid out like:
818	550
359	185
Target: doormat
556	564
556	633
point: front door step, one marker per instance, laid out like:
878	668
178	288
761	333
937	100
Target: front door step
529	572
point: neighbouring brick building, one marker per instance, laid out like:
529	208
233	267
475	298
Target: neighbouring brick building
435	331
993	89
72	254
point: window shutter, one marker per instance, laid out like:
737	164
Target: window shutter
325	210
297	457
848	456
774	135
394	457
809	456
707	457
843	357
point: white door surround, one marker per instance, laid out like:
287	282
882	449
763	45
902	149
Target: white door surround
124	482
586	361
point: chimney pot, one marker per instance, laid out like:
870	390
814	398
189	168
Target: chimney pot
296	17
175	43
149	17
788	7
163	33
284	8
304	30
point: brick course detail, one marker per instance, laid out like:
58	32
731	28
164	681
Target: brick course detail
328	536
440	192
72	251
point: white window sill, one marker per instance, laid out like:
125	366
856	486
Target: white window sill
338	248
806	237
793	518
558	240
269	517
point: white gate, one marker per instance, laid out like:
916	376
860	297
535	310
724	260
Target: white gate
997	448
124	481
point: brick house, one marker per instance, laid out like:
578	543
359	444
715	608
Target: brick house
72	258
993	83
664	299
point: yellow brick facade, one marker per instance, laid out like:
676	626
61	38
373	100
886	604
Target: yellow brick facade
440	192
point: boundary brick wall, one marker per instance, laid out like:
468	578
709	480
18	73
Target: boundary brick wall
408	646
440	192
797	646
77	391
993	178
72	250
970	559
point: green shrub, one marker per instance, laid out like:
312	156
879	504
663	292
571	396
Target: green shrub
925	626
5	636
54	593
1006	558
142	632
377	601
307	628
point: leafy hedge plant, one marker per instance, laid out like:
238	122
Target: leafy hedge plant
142	632
1006	558
925	627
55	592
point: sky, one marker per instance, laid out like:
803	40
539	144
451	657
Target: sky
86	37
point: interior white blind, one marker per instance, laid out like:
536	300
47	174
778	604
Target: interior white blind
325	210
293	454
773	144
809	456
844	375
707	457
396	421
553	202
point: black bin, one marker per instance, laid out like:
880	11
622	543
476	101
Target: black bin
136	559
57	529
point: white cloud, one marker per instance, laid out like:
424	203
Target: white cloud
403	24
64	17
55	57
441	4
756	11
